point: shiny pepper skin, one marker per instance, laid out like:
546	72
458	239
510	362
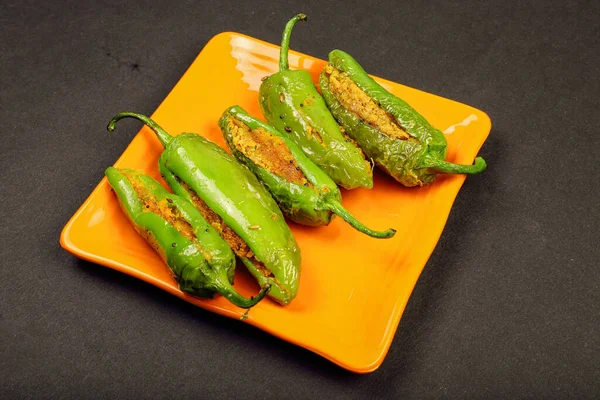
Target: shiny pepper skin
203	264
314	203
413	161
291	103
193	165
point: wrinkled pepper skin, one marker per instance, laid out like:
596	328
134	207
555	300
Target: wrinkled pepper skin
202	266
231	191
291	103
315	204
412	162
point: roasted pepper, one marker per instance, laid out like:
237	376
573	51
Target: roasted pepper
399	140
198	258
291	103
303	191
234	202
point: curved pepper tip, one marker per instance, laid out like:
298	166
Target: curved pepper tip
388	234
342	212
285	40
237	299
382	235
111	125
445	167
161	134
261	294
480	164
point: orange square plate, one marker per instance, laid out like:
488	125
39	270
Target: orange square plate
353	288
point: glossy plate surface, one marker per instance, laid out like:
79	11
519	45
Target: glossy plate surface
353	288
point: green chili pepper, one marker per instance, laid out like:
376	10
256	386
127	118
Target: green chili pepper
305	193
233	201
291	103
199	259
399	140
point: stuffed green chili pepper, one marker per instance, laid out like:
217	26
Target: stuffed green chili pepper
198	258
303	191
398	139
291	103
235	203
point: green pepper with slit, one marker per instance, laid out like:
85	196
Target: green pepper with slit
291	103
394	135
234	202
305	193
198	258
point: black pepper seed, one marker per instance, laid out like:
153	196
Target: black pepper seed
301	104
281	116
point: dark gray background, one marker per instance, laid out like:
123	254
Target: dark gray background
507	306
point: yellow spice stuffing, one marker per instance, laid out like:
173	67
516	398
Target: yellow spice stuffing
163	209
353	99
267	151
237	244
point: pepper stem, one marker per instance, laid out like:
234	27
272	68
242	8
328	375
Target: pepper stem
339	209
225	288
285	41
162	135
446	167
